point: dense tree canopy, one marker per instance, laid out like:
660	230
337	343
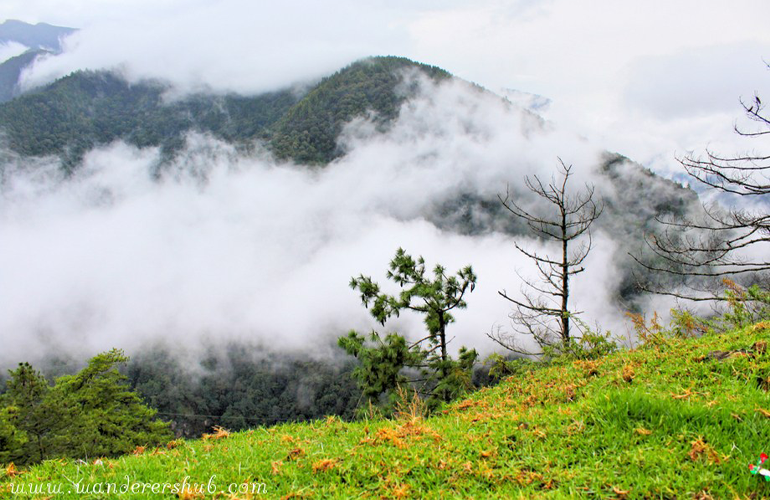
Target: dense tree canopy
89	414
87	108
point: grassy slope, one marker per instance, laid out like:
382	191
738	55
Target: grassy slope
666	422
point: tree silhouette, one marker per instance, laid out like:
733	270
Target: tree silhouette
544	312
723	242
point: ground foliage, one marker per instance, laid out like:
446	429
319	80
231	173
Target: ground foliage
679	416
91	413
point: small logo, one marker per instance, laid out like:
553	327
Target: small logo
757	468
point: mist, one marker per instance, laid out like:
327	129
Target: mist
233	46
11	49
220	246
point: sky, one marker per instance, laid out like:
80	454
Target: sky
651	80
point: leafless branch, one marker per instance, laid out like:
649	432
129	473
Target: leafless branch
570	218
716	245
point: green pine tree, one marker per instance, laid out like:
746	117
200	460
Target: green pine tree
28	402
107	418
85	415
12	439
433	297
379	373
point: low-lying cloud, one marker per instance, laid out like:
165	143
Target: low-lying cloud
230	247
230	46
11	49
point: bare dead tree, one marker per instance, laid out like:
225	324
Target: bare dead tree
544	312
701	253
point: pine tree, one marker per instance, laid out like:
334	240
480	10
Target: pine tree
107	418
12	439
85	415
28	401
379	373
434	298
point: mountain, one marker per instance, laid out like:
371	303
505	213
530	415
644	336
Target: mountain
39	39
38	36
308	132
10	71
533	102
86	109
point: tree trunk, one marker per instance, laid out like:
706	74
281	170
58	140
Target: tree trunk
40	447
564	281
442	335
442	338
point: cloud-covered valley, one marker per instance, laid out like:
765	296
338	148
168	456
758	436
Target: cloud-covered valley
219	245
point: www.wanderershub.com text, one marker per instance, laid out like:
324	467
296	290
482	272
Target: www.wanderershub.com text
130	487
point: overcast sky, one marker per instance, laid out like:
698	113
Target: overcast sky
648	79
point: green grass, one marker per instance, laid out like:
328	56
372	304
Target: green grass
662	422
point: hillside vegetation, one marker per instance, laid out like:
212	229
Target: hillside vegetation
675	418
88	109
91	108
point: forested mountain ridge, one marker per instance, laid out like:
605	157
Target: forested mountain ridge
308	132
87	108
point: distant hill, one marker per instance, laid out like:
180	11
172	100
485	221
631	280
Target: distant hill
37	36
40	39
10	71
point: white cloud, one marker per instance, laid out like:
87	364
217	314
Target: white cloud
697	82
686	63
231	45
11	49
264	252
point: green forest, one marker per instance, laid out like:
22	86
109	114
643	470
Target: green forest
88	109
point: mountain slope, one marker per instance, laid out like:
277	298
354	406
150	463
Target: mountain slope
674	419
38	36
308	132
40	39
85	109
10	71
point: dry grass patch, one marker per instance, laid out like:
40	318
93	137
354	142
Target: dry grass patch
219	433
